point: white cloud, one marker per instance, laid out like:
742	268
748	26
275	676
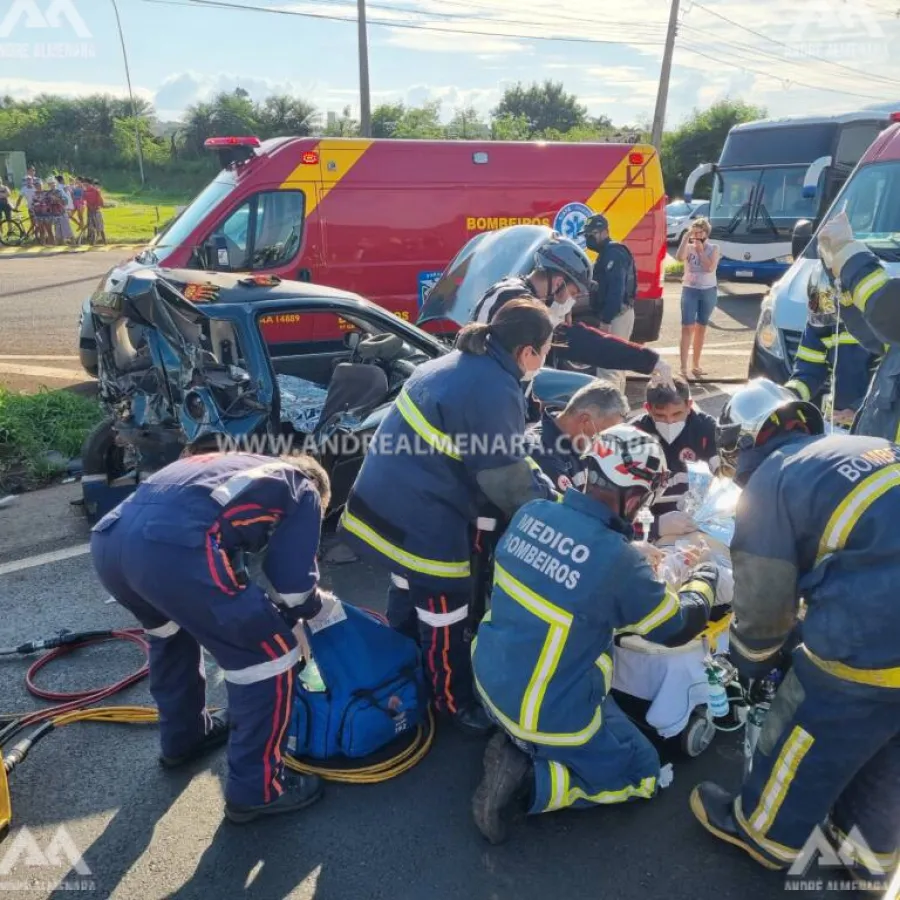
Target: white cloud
28	89
442	42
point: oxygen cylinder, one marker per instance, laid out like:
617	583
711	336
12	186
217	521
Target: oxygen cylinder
717	703
644	521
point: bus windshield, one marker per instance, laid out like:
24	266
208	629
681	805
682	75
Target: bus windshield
180	229
759	200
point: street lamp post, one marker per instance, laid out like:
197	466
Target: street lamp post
365	113
137	124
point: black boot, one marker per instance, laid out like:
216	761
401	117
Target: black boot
300	791
713	807
473	721
504	790
214	738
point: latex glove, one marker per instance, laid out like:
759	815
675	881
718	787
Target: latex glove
662	374
676	523
652	554
833	237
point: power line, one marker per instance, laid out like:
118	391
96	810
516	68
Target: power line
738	65
749	48
765	37
421	26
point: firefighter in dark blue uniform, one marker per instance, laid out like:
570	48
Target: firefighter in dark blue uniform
173	554
828	351
816	519
614	276
567	578
455	436
870	307
558	441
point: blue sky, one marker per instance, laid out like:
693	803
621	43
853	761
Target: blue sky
805	57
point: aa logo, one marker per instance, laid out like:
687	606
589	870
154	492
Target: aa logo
55	14
59	851
853	851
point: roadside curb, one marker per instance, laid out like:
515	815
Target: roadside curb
27	252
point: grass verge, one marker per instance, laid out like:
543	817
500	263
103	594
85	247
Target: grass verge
136	217
674	270
40	433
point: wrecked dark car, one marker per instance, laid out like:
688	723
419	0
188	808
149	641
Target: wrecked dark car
251	363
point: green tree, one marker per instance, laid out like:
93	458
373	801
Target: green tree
423	122
343	125
543	106
700	139
386	118
507	127
467	125
284	115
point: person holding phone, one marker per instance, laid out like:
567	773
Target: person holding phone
699	292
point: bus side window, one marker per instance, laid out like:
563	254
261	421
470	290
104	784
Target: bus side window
854	141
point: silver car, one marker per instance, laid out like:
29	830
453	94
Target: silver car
680	214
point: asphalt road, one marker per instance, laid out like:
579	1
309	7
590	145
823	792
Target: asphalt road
41	297
148	834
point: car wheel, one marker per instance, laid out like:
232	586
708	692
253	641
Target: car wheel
101	455
698	734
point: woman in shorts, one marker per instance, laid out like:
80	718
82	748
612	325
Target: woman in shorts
699	292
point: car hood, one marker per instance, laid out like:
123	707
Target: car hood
482	262
789	294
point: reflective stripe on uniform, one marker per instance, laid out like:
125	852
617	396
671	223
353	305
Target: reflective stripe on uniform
880	863
399	582
164	631
889	678
753	655
783	772
702	588
292	600
852	508
442	620
843	338
798	387
810	356
484	524
773	848
433	567
605	664
562	795
422	427
668	607
264	670
559	622
230	490
871	283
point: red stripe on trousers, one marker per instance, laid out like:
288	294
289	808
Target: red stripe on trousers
451	703
267	761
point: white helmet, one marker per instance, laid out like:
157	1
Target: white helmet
624	457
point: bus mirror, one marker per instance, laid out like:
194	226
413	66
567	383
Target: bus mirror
694	177
800	237
813	173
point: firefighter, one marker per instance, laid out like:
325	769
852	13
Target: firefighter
559	439
687	435
455	436
870	307
828	350
173	554
567	578
561	276
614	277
817	517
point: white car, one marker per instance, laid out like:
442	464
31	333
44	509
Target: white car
679	215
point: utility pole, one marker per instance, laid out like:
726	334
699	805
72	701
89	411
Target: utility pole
365	110
659	115
137	124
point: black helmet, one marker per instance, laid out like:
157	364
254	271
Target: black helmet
822	298
561	255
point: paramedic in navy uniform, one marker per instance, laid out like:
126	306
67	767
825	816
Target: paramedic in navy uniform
172	555
454	436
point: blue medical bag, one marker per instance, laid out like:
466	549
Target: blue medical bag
364	688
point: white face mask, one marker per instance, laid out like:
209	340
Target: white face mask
669	431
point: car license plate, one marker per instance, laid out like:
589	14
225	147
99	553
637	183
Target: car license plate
744	273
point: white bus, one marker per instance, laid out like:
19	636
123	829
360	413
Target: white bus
773	173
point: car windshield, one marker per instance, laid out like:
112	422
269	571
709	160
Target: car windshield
678	208
871	199
182	227
755	200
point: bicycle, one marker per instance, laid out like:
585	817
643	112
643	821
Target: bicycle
14	232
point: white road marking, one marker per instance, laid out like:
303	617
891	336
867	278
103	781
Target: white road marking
29	562
43	372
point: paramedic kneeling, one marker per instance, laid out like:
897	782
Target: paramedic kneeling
455	435
172	555
566	579
817	517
